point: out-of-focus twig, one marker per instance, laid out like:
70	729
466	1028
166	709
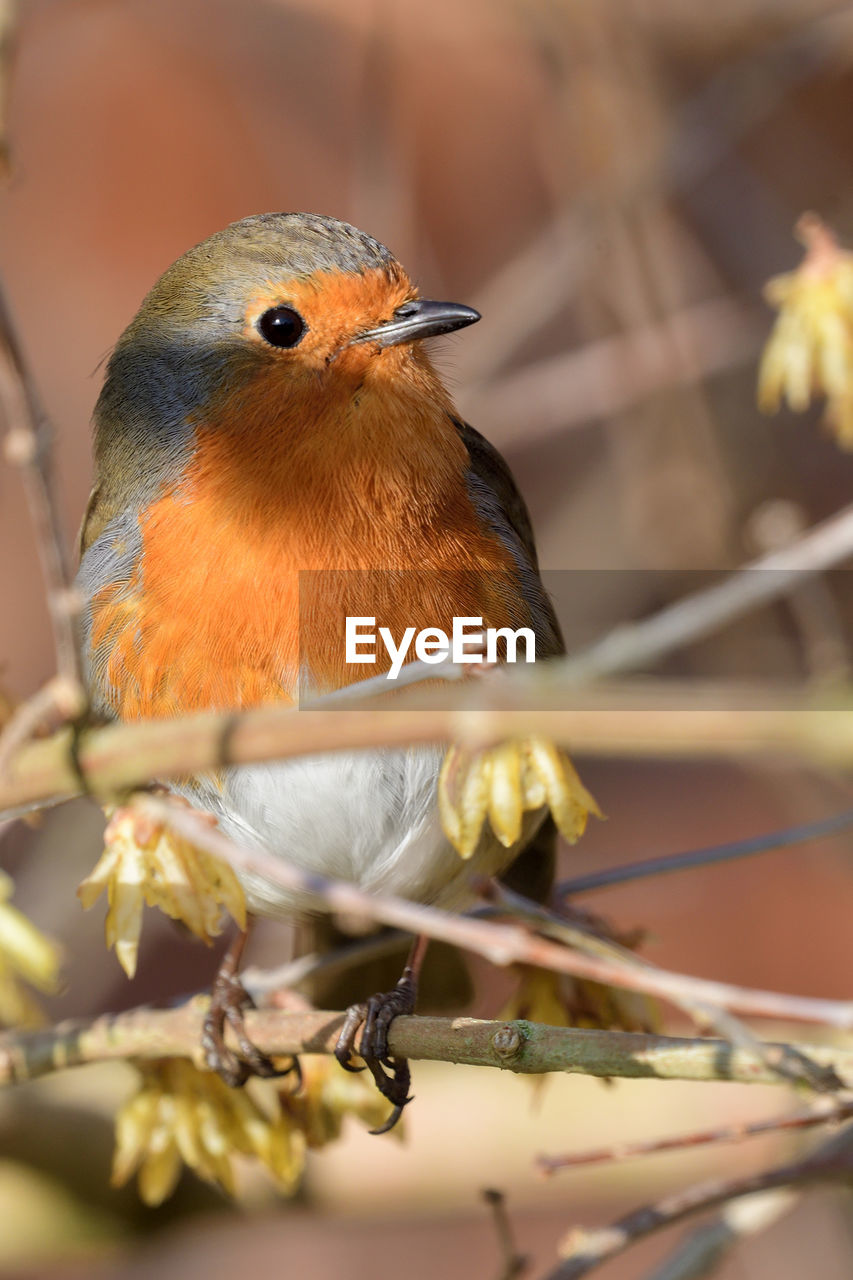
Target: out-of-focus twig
824	1111
611	374
513	1263
814	611
696	616
704	1249
653	720
8	16
28	445
523	295
585	1250
710	856
780	573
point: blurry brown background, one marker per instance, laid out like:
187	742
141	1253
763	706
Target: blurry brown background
610	183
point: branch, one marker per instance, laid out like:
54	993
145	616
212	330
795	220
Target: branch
710	856
831	1162
527	1048
825	1111
707	1016
696	616
28	444
513	1263
609	375
658	720
704	1249
502	944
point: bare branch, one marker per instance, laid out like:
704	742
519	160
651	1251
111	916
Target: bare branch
584	1251
704	1249
514	1264
527	1048
824	1111
696	616
610	375
28	444
691	858
707	1016
502	944
656	720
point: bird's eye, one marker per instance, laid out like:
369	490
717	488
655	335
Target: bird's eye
281	326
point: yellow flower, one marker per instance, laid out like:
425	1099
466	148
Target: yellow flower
143	861
810	350
327	1095
505	782
25	953
182	1115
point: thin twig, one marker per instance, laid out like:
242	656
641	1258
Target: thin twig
513	1264
527	1048
609	375
502	944
53	705
704	1249
28	444
824	1111
710	856
262	982
696	616
584	1251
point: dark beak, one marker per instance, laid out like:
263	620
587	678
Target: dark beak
420	318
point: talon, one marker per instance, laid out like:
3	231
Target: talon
391	1075
229	998
392	1119
345	1046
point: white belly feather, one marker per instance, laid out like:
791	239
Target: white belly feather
369	817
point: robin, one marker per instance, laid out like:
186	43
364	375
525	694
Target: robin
275	454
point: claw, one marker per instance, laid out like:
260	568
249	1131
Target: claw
374	1017
229	998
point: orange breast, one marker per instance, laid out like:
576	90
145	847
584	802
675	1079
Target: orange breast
375	509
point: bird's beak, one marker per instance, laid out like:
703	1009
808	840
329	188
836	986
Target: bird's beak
420	318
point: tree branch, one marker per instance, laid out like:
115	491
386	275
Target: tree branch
28	444
527	1048
502	944
824	1111
704	1249
660	720
696	616
585	1251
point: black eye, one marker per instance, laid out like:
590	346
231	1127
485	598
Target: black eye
281	326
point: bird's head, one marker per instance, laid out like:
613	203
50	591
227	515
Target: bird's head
271	331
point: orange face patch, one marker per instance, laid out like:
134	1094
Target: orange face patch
336	307
330	457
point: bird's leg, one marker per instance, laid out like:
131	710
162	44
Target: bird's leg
228	999
375	1016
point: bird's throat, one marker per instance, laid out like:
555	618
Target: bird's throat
281	529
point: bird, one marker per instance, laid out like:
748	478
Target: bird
274	452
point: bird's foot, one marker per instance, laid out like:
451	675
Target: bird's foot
228	1001
374	1017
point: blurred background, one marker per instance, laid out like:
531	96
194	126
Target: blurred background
610	184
